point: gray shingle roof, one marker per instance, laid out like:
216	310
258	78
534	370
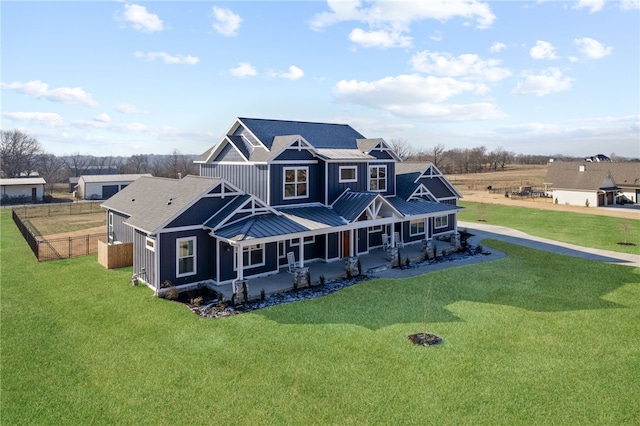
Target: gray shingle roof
151	202
320	135
567	175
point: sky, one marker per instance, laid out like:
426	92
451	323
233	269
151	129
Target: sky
123	78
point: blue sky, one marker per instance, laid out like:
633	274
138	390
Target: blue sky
123	78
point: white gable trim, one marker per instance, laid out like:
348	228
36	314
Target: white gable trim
298	144
422	191
253	206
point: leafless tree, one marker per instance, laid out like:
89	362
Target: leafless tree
77	164
402	148
50	168
18	153
435	153
137	164
499	157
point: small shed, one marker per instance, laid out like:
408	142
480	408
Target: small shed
27	189
102	187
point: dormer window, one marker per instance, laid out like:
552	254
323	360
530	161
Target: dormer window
378	178
296	183
348	174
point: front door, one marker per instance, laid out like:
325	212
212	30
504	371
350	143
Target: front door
346	243
34	194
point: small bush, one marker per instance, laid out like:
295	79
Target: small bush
407	262
197	301
322	280
263	295
172	293
479	249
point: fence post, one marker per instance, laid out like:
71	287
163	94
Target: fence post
70	245
87	251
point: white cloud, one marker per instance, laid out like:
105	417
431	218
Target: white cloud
102	118
126	108
592	5
380	13
548	81
630	4
294	73
497	47
543	50
416	96
467	66
382	38
168	59
225	21
244	69
591	48
48	119
65	95
140	19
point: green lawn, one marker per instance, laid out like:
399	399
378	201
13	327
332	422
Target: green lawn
532	338
587	230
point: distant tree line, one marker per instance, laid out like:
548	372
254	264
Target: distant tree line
23	155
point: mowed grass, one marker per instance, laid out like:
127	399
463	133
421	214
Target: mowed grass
601	232
533	338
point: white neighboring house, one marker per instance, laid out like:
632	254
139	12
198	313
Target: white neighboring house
593	184
102	187
28	189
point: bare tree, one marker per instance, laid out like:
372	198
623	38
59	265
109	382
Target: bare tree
18	153
50	168
78	164
436	152
402	148
499	157
137	164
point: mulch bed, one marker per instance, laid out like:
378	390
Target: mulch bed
425	339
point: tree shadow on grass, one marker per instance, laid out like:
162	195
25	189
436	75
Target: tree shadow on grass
528	279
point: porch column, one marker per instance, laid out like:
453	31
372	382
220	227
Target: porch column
239	262
301	252
392	235
351	242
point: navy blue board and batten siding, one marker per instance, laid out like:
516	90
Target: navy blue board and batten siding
335	188
205	257
315	183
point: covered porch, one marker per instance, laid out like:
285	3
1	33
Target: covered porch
372	262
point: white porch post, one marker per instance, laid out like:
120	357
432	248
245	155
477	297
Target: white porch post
301	252
392	234
240	262
351	242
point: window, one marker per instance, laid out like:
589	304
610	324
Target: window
185	256
377	178
296	184
377	228
110	236
307	240
150	244
416	227
442	221
252	256
348	174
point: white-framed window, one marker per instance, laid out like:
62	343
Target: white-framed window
442	221
307	240
150	244
185	256
110	232
378	178
348	174
416	227
281	253
377	228
296	182
252	256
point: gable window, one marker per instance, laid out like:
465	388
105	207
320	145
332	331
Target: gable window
377	178
442	221
296	183
416	227
348	174
185	256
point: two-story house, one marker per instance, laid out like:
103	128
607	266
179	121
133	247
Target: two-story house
321	191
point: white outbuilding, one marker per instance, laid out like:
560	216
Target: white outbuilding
102	187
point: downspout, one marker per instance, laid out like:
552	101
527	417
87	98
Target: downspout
156	278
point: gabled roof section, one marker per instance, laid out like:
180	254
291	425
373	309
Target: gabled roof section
281	143
221	147
319	135
240	208
351	205
378	144
343	154
112	178
410	175
152	202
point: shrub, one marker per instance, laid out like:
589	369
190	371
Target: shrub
322	279
263	294
172	293
407	262
197	301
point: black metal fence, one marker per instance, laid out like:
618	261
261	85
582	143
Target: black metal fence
57	248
